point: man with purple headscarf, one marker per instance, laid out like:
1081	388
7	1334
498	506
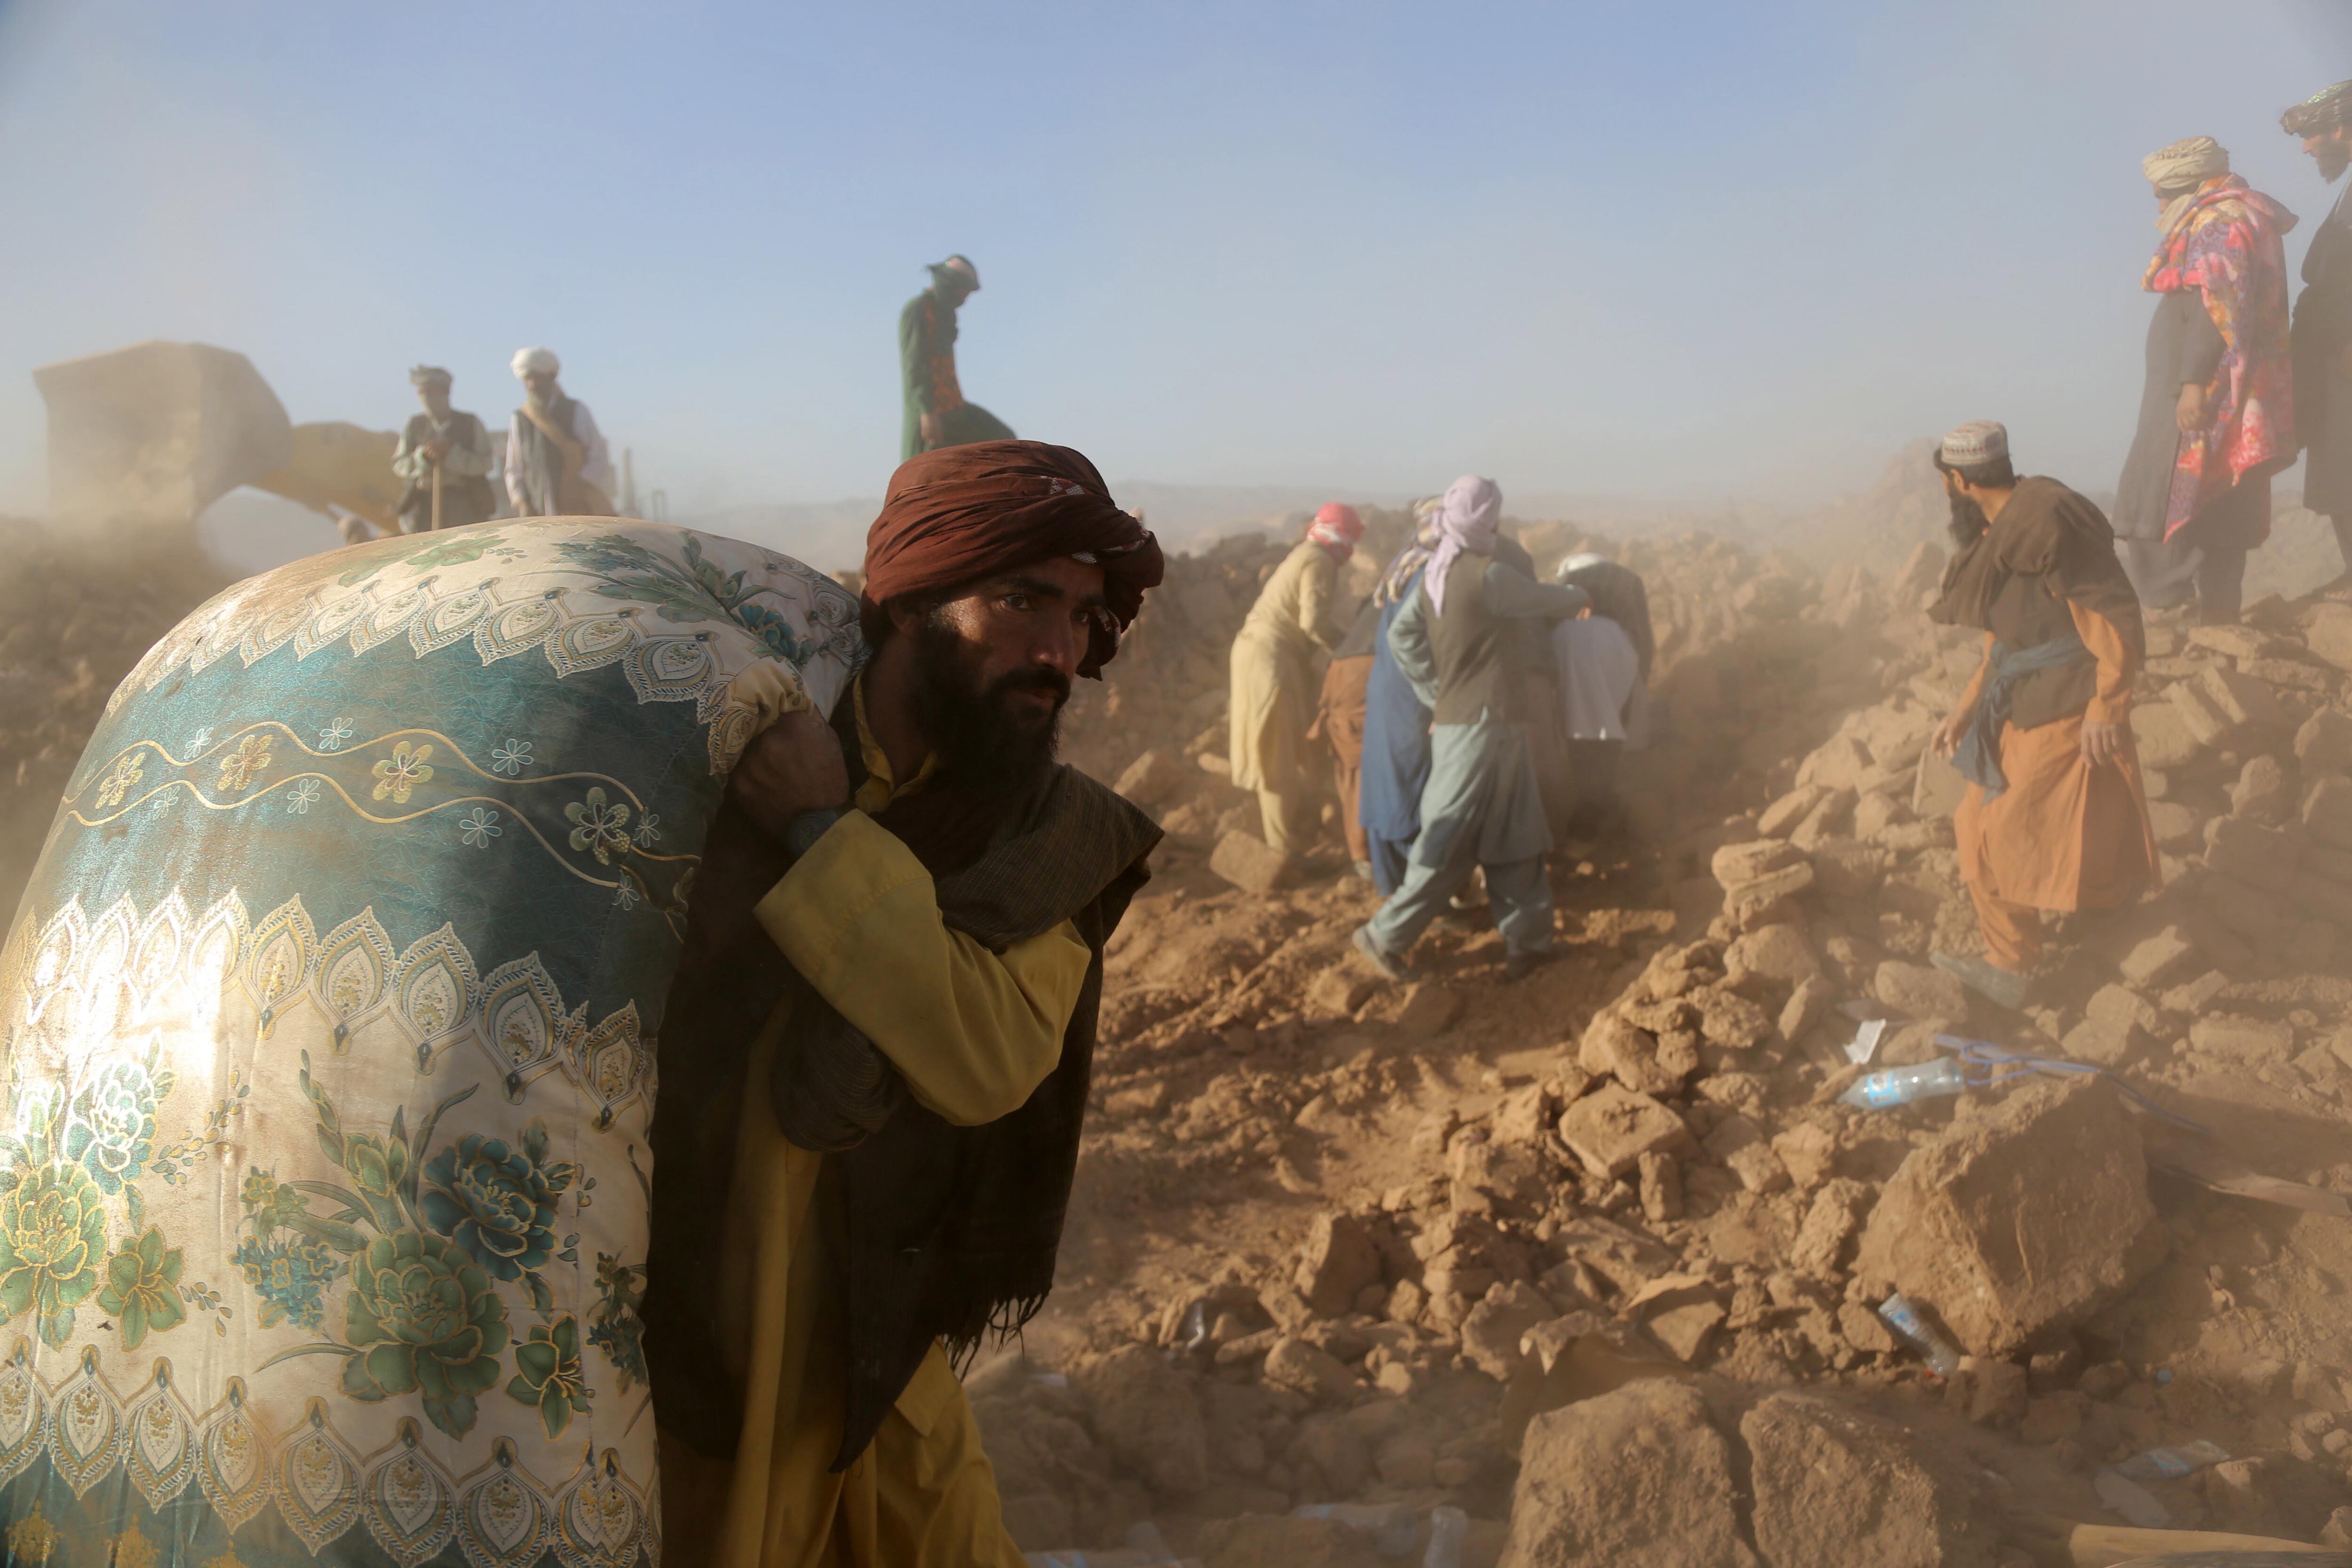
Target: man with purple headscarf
1456	638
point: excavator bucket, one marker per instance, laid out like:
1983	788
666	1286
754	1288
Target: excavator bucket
335	468
155	433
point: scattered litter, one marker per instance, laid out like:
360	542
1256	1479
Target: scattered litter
2130	1500
1392	1527
1865	1044
1900	1085
1905	1320
1988	1065
1449	1528
2171	1464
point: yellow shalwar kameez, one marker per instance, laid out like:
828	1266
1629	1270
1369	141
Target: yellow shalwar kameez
972	1033
1274	693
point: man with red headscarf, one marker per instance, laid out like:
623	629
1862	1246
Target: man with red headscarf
1274	688
877	1055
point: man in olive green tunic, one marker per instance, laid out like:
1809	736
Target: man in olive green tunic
937	414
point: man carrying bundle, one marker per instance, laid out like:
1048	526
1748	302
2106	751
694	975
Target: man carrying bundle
877	1055
2054	817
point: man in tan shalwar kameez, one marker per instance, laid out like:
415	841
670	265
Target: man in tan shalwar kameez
2054	817
1273	691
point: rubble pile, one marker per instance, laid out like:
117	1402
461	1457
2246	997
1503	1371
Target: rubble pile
1631	1173
75	615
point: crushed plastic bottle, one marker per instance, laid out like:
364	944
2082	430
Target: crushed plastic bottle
1900	1085
1392	1527
2171	1464
1905	1320
2130	1502
1449	1527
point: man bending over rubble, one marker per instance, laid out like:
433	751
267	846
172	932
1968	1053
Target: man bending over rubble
876	1061
1457	639
2054	817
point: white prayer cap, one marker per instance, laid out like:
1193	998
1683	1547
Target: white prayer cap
542	360
1578	563
1978	441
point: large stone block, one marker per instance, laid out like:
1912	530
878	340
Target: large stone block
1920	991
1636	1475
1734	865
2159	959
2161	736
2022	1220
2261	856
1611	1129
2324	744
2242	700
1833	1485
1339	1259
2330	634
1250	864
2205	721
1776	955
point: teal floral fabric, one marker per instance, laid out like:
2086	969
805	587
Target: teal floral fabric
330	1018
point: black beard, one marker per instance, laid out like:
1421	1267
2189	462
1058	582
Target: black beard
1969	523
988	744
2332	156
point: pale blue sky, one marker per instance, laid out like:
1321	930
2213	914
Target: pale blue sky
1664	250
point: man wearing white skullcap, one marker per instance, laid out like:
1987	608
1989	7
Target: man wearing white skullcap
2054	817
557	463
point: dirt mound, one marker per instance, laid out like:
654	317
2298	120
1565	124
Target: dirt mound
78	613
1380	1230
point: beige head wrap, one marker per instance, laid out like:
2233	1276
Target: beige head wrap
527	360
2182	167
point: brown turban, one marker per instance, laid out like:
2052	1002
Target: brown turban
960	513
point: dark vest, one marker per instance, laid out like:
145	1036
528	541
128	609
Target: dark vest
2049	546
464	498
949	1232
1479	661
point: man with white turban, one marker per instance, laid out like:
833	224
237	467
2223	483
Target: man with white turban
1457	640
557	463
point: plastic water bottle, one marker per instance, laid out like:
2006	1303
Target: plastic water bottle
1901	1086
1905	1320
1449	1527
1392	1526
2171	1464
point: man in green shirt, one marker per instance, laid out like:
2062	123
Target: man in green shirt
937	414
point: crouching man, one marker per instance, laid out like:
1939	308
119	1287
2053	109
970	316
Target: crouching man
877	1054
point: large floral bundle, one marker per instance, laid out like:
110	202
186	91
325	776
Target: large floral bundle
330	1020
